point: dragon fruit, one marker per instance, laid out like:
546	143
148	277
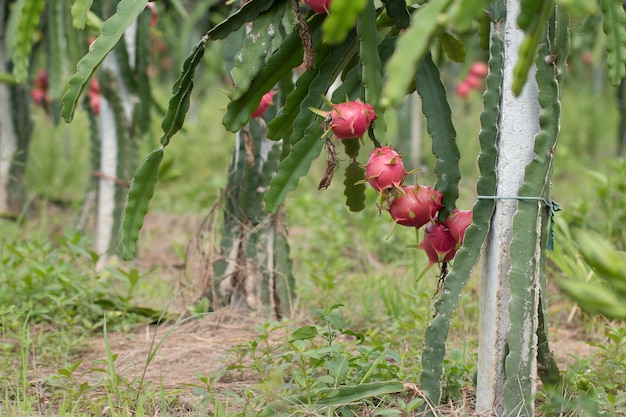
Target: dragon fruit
384	169
457	222
318	6
351	119
438	243
417	206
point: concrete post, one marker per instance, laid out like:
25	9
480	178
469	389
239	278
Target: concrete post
518	125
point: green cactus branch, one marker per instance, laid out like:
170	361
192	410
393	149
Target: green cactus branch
439	125
437	331
525	269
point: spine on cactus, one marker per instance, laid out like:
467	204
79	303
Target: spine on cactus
437	331
526	266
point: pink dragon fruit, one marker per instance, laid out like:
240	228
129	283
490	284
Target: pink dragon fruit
479	69
438	243
318	6
457	222
417	206
384	169
351	119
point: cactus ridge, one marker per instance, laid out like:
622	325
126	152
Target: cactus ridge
526	266
437	332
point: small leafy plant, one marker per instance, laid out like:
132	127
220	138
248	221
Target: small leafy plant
316	360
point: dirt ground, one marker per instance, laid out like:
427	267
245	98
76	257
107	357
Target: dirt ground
185	347
199	346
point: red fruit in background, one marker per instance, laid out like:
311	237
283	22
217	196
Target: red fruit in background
479	69
94	86
41	82
94	102
154	15
39	97
318	6
438	243
463	89
94	95
384	169
473	81
417	206
457	222
39	93
266	101
351	119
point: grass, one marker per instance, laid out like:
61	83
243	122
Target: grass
361	315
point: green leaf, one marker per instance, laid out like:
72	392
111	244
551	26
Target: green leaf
333	396
396	9
305	138
256	45
484	31
439	125
354	187
371	65
325	75
181	95
350	87
613	27
466	11
341	19
305	332
579	9
142	62
530	10
283	122
112	31
453	47
80	8
595	298
437	332
598	252
139	196
11	30
293	167
535	34
411	46
278	66
248	13
29	17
